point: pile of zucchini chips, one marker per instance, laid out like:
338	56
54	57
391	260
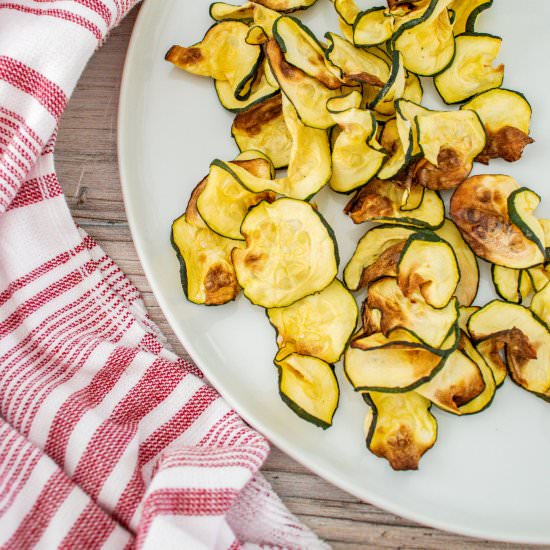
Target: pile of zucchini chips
345	111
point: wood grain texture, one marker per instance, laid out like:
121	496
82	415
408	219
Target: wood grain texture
87	166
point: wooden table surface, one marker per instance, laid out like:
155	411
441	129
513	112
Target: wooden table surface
87	167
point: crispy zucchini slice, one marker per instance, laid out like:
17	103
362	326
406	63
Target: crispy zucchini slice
428	267
309	387
428	46
289	254
286	6
302	50
464	314
223	54
490	350
262	128
507	282
394	88
372	27
222	11
413	88
471	71
307	94
455	385
540	305
526	339
347	10
506	116
386	200
224	202
449	141
398	149
318	325
466	12
206	270
539	276
309	167
480	208
399	428
468	283
406	113
356	156
395	367
521	205
355	65
430	325
376	255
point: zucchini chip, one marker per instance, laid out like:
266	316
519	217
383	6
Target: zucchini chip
430	325
539	276
355	65
466	13
540	305
356	156
465	312
468	283
526	339
223	54
286	6
372	27
449	141
376	255
427	46
309	167
347	10
289	254
397	148
262	128
413	88
309	387
481	209
307	94
318	325
206	270
471	71
387	200
399	428
394	367
506	116
507	283
384	101
490	350
406	112
455	385
221	11
428	267
302	50
224	202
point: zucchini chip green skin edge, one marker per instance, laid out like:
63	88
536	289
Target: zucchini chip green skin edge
518	222
472	18
304	415
246	80
372	428
183	270
497	288
465	100
237	110
359	17
391	80
334	242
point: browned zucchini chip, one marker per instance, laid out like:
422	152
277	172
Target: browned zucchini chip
449	141
471	71
262	128
399	428
318	325
387	200
491	350
526	339
290	253
480	208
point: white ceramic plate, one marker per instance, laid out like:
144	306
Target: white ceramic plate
488	475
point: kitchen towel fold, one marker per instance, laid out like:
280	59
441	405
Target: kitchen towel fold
107	439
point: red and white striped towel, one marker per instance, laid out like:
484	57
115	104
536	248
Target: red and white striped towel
106	438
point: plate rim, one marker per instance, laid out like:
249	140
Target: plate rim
146	11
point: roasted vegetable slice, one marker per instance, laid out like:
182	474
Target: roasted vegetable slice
480	208
347	10
428	267
466	12
430	325
356	157
309	387
521	205
302	50
372	27
506	116
456	384
387	200
356	65
540	305
413	88
406	112
286	6
450	141
394	88
490	350
399	428
289	253
224	202
376	255
507	283
262	128
307	94
207	274
398	148
319	325
471	71
395	367
526	339
466	289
